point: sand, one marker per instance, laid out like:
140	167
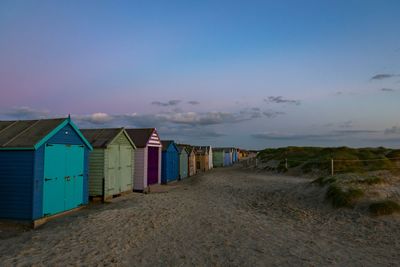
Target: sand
226	217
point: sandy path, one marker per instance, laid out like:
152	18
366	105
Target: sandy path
224	217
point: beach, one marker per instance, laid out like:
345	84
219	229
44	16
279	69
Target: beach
225	217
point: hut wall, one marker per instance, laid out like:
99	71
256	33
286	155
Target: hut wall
183	164
140	174
16	184
192	164
218	158
96	172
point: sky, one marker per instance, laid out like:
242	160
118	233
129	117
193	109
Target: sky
249	74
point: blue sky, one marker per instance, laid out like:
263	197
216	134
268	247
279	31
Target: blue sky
252	74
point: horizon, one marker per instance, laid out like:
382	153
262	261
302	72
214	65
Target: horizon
251	76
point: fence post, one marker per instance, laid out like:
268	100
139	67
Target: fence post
286	165
332	168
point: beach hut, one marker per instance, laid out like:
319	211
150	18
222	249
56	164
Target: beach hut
192	161
169	162
227	157
147	163
201	158
110	163
43	169
183	162
209	151
218	157
234	155
210	158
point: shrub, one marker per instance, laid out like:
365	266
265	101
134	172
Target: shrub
343	198
385	207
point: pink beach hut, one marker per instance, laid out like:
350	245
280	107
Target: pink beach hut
147	158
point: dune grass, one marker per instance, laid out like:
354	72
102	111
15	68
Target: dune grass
340	197
385	207
371	180
310	159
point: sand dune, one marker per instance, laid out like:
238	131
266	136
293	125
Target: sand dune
226	217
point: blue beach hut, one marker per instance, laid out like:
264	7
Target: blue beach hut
43	168
169	162
227	157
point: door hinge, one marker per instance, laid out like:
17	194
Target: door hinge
47	179
49	145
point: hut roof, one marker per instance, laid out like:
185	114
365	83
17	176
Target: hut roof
101	138
29	134
202	150
183	147
140	136
167	143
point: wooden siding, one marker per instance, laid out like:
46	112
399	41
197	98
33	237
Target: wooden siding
202	162
96	172
140	174
218	158
183	164
16	184
154	140
192	164
210	158
73	138
122	140
170	164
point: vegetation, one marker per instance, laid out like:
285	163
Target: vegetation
371	180
343	198
318	159
384	207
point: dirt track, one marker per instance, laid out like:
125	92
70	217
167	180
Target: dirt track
224	217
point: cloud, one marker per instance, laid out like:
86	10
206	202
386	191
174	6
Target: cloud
95	118
22	113
393	130
179	132
387	90
281	100
346	124
383	76
347	132
193	102
287	136
166	104
273	114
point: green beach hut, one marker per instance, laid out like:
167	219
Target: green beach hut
111	164
218	157
183	162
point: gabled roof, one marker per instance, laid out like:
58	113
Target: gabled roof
31	134
140	137
167	143
201	150
183	148
101	138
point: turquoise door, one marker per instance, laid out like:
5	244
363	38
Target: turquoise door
63	184
74	180
53	188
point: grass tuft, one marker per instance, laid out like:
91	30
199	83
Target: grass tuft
385	207
322	181
371	180
343	198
